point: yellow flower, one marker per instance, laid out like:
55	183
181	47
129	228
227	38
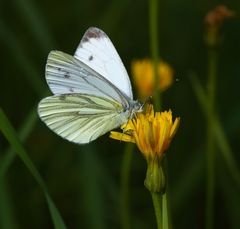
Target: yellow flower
142	71
152	133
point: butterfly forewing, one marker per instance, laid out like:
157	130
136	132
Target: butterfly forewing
81	118
66	74
97	51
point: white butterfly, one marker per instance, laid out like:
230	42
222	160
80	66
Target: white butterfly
92	90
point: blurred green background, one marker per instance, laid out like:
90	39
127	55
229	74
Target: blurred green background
84	181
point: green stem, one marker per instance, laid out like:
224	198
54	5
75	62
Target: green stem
212	75
157	203
210	178
165	211
220	136
125	177
153	25
211	154
165	200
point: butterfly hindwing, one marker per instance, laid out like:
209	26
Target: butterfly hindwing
81	118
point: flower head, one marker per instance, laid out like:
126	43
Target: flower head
152	133
216	16
142	71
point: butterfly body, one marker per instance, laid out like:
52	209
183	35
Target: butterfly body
92	91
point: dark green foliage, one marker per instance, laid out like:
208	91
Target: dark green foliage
84	181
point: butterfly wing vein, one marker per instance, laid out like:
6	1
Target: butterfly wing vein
81	118
66	74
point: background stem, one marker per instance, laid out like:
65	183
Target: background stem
153	25
211	154
125	177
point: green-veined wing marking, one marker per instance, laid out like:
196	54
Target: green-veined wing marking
66	75
92	90
81	118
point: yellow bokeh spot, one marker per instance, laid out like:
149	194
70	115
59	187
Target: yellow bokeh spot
143	77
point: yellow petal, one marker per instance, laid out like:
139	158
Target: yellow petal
152	132
121	136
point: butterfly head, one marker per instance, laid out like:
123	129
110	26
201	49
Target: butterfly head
136	108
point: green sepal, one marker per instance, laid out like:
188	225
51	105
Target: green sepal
155	180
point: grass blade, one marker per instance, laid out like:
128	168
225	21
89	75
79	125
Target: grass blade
7	219
24	132
10	134
92	188
125	212
220	136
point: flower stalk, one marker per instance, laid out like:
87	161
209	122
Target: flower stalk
152	133
157	203
214	20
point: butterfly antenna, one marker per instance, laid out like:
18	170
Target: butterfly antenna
148	100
